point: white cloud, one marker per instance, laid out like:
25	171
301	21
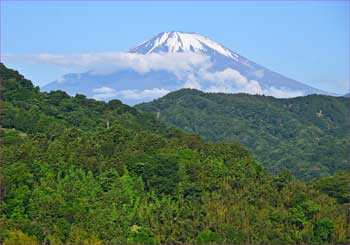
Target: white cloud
135	94
104	63
103	90
282	92
104	93
191	82
192	69
231	81
104	96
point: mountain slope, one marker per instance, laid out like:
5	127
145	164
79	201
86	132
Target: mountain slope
68	178
170	61
221	57
309	135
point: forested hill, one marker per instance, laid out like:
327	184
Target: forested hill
69	178
310	136
29	110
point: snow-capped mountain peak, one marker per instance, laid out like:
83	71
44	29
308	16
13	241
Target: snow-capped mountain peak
172	42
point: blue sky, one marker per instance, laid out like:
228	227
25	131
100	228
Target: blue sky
307	41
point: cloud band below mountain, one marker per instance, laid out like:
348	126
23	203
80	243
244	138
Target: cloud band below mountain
193	70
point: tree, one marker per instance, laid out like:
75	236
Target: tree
15	237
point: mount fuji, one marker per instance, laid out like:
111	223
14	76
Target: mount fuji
171	61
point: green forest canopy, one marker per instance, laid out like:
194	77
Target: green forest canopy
67	178
309	136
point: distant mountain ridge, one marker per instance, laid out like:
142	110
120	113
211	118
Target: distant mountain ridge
310	135
173	60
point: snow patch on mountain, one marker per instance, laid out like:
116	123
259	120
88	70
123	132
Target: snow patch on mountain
173	42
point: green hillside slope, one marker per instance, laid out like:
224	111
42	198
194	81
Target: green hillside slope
310	136
69	178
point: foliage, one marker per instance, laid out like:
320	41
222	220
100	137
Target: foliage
18	237
337	186
309	136
67	178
